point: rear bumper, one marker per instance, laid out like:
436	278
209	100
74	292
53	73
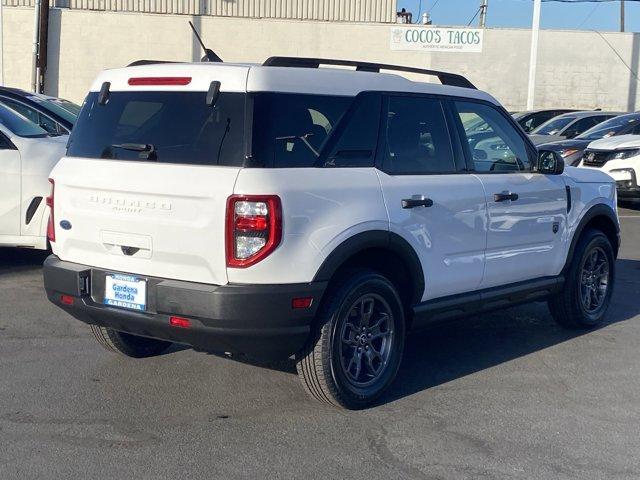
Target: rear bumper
255	320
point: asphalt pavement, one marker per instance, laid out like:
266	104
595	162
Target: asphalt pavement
507	395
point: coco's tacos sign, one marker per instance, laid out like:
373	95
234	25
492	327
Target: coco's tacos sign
435	39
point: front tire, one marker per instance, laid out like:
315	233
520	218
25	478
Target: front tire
127	344
357	347
586	296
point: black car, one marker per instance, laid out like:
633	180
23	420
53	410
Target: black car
532	119
572	150
55	115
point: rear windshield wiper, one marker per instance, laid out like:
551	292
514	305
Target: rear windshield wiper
147	150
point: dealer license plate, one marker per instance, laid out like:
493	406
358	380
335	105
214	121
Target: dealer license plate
125	291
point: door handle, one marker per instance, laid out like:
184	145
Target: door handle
417	201
504	196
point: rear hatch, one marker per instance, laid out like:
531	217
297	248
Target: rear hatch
148	171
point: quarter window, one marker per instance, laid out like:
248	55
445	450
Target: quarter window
290	130
499	148
416	138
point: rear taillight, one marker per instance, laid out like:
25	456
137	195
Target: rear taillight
51	231
254	228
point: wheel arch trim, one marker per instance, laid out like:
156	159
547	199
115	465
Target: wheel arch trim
599	210
371	239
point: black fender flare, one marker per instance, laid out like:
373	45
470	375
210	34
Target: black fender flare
599	210
375	239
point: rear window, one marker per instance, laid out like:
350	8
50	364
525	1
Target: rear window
167	127
291	129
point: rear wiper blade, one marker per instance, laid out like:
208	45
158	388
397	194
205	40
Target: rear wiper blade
147	150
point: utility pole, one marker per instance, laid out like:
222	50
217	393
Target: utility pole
622	15
483	13
36	39
533	60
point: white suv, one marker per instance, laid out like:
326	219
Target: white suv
619	157
284	209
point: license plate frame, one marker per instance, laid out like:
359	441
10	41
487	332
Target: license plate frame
125	291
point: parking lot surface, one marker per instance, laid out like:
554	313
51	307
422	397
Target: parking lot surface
505	395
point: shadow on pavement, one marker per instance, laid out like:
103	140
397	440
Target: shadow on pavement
14	259
457	349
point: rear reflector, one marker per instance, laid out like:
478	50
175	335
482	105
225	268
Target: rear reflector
138	81
303	302
66	299
179	322
51	230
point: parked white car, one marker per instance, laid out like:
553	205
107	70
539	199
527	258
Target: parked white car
27	155
619	157
289	210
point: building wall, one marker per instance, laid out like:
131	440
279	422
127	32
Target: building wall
575	69
328	10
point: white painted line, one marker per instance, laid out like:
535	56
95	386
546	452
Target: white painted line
629	216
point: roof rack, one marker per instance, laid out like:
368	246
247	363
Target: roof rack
148	62
445	78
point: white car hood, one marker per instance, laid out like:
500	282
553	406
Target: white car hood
616	143
40	155
587	175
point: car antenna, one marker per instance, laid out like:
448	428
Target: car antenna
209	55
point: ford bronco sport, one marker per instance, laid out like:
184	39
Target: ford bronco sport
288	209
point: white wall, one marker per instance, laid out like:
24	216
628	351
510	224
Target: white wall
575	69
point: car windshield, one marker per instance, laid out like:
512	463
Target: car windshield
554	126
611	127
19	125
64	108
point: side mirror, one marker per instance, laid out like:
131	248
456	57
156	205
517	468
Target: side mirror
550	162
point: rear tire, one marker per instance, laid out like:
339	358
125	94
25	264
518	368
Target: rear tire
127	344
586	295
356	349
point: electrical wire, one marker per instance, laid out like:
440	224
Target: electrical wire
474	17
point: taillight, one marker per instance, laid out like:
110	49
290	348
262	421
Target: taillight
51	231
254	228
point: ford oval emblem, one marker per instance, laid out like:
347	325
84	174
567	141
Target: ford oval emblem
65	225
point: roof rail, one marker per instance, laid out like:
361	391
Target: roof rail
452	79
148	62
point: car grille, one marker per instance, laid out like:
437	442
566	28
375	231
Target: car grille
595	159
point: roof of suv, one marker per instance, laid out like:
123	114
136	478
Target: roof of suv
259	78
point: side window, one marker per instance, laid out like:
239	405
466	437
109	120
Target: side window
416	138
500	148
5	144
357	143
290	129
49	125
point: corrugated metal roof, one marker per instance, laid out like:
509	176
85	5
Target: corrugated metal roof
381	11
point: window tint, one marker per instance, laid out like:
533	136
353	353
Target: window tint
172	127
289	130
416	139
613	126
357	143
499	148
22	109
537	119
583	125
554	126
33	115
20	125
